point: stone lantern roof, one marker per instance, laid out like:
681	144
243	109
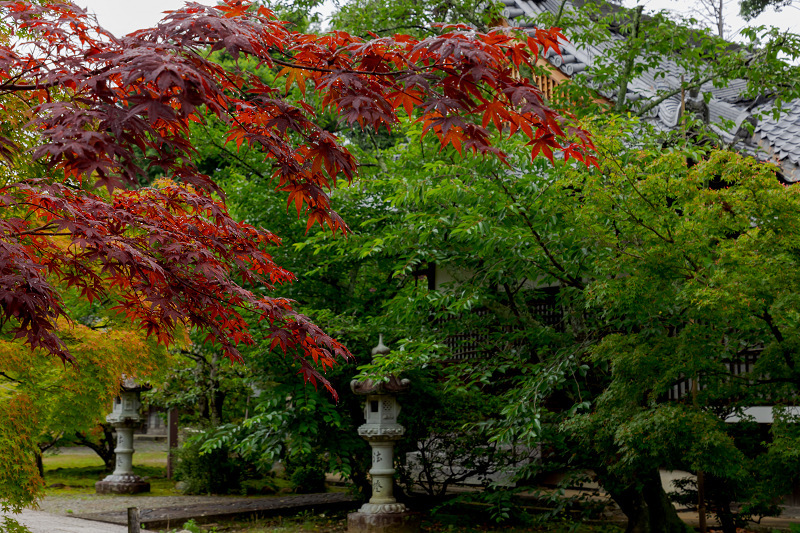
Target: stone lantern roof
394	385
130	384
391	384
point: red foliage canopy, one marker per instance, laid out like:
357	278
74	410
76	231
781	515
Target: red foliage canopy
103	109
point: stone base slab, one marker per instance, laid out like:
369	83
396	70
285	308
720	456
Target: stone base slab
121	487
406	522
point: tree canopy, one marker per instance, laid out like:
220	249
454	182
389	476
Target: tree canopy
752	8
103	110
103	199
591	299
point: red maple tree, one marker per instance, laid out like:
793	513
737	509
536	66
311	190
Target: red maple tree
104	109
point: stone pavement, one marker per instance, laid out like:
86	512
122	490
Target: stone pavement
176	515
229	509
41	522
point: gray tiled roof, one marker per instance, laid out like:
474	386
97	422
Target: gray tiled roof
783	133
773	140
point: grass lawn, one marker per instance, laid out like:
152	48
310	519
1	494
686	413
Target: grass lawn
74	471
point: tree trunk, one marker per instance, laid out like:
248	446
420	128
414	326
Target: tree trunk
104	448
627	73
40	464
726	518
644	502
216	397
42	447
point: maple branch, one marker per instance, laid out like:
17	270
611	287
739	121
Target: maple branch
44	446
36	207
666	238
392	74
36	231
641	222
697	84
776	332
560	13
198	358
344	70
12	80
233	155
379	155
512	303
629	62
10	378
767	317
15	87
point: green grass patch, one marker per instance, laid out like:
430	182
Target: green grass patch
76	473
78	460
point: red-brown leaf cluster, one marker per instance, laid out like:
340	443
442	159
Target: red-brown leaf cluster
106	109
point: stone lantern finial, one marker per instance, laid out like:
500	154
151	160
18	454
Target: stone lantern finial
380	349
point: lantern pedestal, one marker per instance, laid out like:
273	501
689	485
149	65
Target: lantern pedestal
123	480
125	418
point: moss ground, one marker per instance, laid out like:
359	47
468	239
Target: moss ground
337	523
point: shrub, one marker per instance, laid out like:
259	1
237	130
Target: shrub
213	472
306	472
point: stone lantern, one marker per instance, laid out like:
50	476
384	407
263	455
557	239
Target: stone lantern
125	418
382	514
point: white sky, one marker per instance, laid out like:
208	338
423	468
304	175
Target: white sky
786	19
123	16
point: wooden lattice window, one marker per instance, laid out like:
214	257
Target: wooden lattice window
475	343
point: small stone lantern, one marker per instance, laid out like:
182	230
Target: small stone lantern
125	418
382	514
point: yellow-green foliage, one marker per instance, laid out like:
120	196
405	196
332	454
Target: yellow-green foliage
19	478
42	398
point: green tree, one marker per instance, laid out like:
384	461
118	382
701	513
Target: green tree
504	236
671	265
43	402
82	211
363	17
607	239
752	8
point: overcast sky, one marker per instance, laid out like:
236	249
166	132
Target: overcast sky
786	19
123	16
